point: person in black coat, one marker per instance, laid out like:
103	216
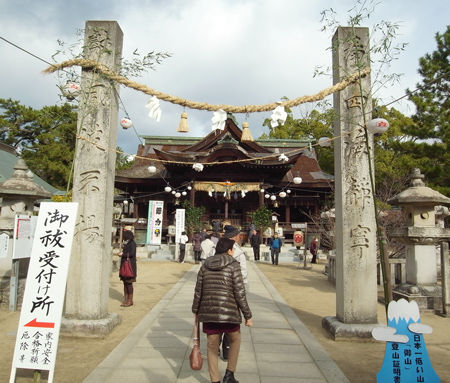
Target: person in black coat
255	241
128	251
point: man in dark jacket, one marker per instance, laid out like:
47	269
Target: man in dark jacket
275	244
255	241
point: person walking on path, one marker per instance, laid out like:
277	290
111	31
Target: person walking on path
255	241
128	251
208	248
215	237
275	244
197	240
183	240
239	255
313	249
219	300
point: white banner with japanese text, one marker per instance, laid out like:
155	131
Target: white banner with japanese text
40	317
154	222
179	224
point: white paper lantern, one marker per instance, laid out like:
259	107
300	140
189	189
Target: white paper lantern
126	123
288	191
377	126
262	190
273	198
183	193
297	180
282	194
267	196
177	195
173	192
168	189
324	141
189	187
152	169
71	90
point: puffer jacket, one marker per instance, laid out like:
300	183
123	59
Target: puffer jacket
219	295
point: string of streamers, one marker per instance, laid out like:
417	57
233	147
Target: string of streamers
105	71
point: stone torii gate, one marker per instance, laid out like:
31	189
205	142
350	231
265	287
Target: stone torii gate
88	285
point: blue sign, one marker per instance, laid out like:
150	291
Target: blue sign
406	358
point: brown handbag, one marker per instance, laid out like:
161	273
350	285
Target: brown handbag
126	270
196	359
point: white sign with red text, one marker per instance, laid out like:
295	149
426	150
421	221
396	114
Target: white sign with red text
40	317
24	227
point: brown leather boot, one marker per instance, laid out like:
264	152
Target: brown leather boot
129	301
125	296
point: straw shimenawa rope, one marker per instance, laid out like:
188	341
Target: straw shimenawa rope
105	71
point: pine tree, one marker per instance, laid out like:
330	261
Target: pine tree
430	131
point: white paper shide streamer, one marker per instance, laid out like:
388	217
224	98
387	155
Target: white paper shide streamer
218	119
155	108
283	158
198	167
278	116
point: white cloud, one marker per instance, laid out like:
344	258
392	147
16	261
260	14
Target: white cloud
233	52
388	334
420	328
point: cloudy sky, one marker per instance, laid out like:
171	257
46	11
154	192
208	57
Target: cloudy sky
235	52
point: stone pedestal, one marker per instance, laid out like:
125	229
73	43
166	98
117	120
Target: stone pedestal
88	283
356	285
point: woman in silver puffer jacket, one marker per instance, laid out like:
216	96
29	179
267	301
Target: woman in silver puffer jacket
219	299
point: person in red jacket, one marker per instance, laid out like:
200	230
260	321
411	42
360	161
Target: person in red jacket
313	247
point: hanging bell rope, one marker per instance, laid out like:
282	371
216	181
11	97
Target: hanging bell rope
105	71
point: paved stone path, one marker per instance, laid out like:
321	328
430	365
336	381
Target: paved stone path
277	349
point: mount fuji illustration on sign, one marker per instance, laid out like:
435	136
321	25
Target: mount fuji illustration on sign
406	358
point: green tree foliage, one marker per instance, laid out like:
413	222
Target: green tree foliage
430	131
193	216
44	138
314	125
262	218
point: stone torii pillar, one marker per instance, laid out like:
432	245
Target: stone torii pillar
86	305
356	251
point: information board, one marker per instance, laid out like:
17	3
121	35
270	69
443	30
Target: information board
40	317
24	228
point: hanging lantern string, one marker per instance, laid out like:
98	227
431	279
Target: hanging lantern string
105	71
275	155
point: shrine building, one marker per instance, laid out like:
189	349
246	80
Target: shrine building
237	178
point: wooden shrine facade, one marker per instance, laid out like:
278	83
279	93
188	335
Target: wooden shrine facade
231	188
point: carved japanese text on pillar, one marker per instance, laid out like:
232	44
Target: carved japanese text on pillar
358	192
88	227
94	134
355	146
359	241
89	181
354	51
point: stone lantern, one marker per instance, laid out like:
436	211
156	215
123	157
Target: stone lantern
18	195
420	235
